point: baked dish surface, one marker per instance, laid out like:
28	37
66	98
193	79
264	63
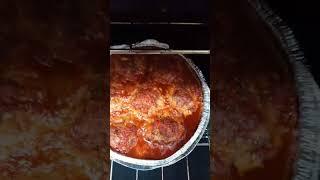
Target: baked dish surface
155	105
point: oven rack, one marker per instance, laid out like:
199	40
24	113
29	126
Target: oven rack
136	51
182	36
158	23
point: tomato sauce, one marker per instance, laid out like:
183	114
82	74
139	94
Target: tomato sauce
144	150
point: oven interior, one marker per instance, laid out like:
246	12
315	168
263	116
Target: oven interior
184	26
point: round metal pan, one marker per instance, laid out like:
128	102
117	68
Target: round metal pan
307	166
186	149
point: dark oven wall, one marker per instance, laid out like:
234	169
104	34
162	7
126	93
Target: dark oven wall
159	10
194	36
303	18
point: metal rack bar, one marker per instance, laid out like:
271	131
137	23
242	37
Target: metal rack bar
188	173
162	173
159	23
203	144
137	175
111	169
127	51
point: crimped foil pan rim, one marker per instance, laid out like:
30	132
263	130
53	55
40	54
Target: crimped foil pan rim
188	147
307	165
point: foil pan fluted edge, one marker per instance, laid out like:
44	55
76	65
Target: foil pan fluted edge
307	165
187	148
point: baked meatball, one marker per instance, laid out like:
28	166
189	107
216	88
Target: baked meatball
123	137
126	69
164	131
185	100
147	99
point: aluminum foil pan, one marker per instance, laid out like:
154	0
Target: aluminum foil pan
307	166
187	148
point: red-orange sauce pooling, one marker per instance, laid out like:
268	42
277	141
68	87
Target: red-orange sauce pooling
155	105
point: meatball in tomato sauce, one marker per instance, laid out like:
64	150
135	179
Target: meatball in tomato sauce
164	131
123	137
